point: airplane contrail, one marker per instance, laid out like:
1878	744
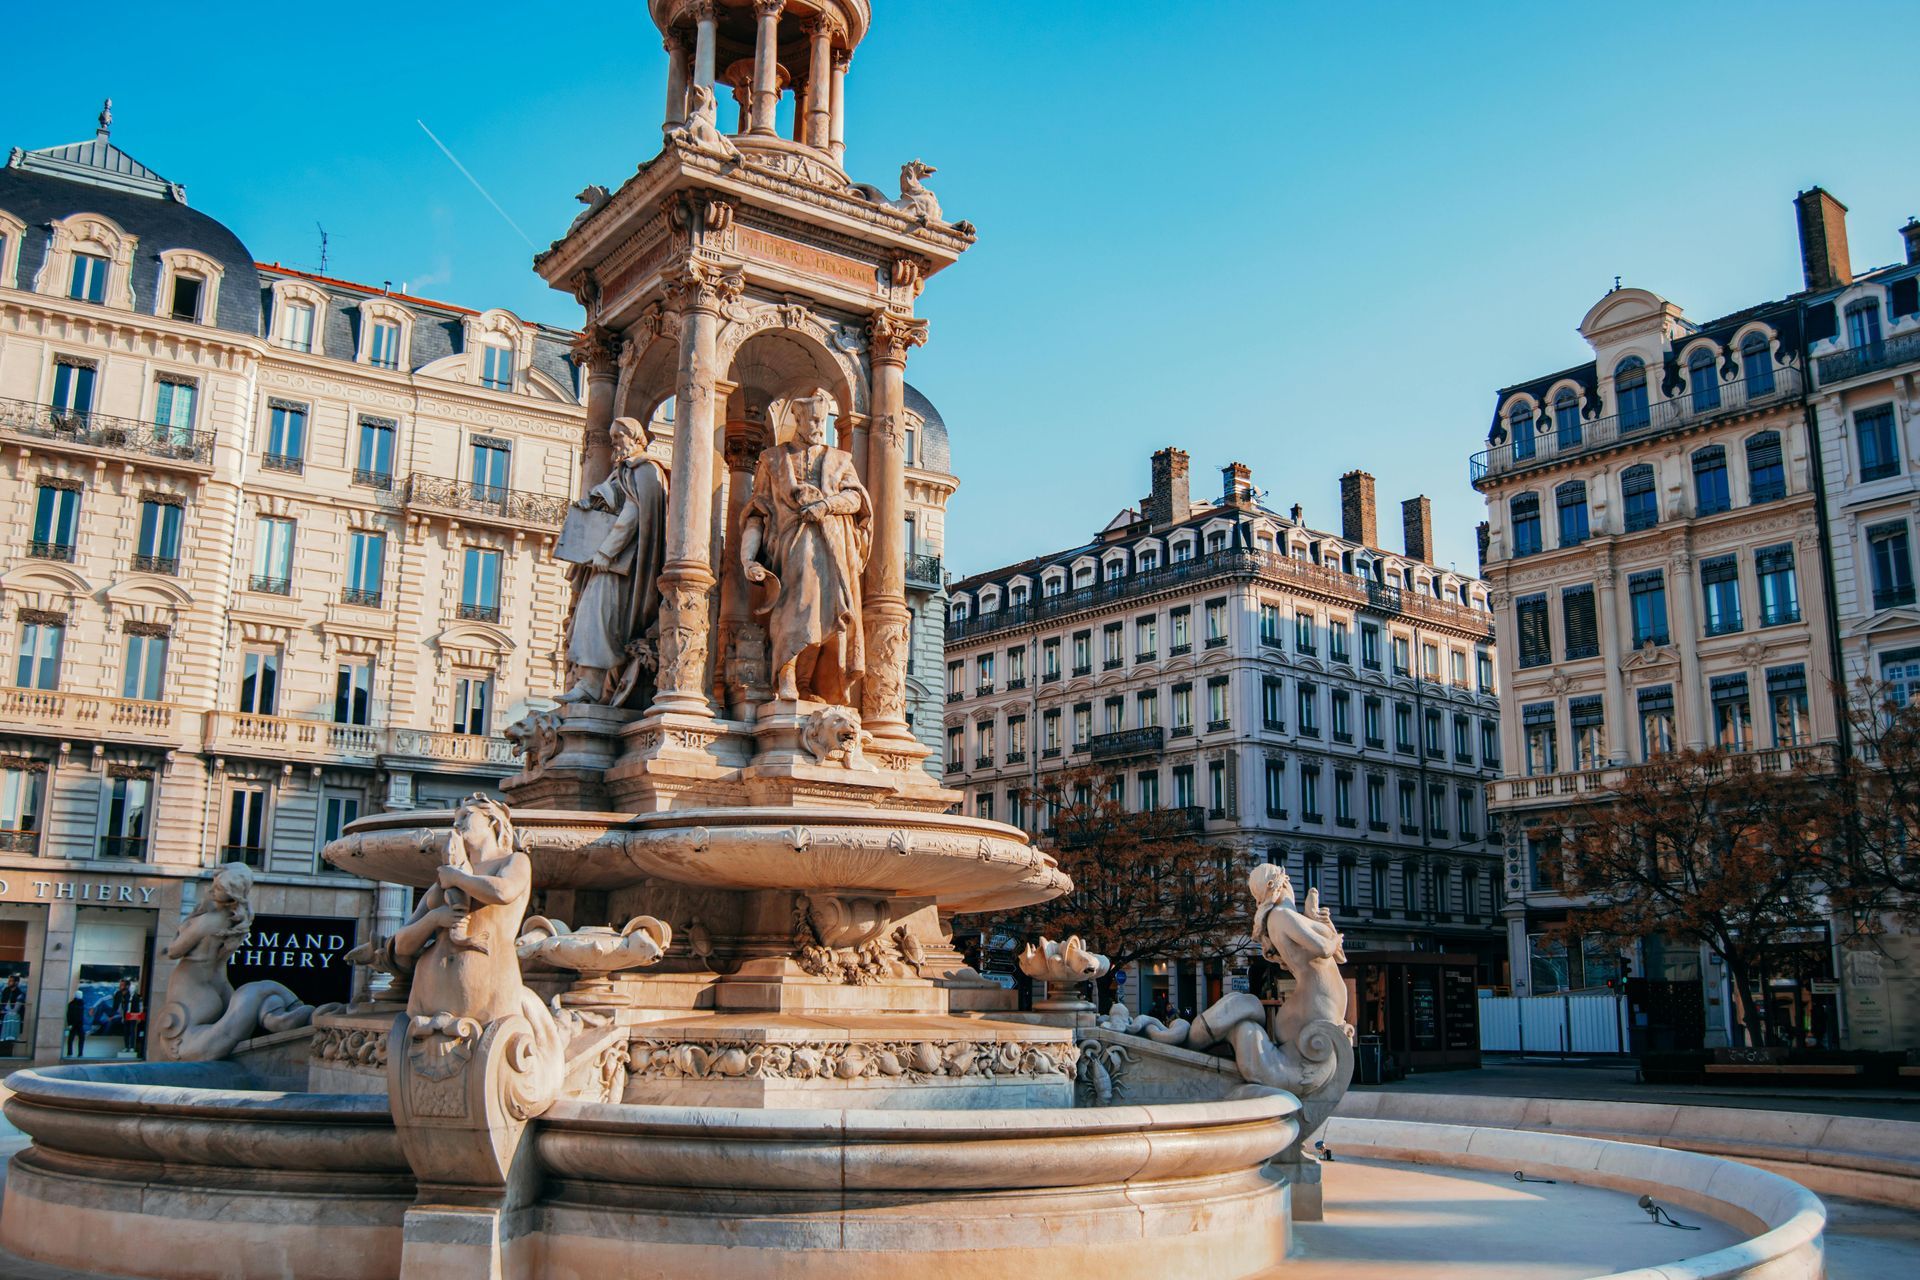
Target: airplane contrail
476	184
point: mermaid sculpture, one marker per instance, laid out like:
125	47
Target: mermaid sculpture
203	1017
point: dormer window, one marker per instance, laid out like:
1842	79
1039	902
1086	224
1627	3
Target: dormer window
296	330
1182	551
383	345
1083	576
1149	561
185	303
1116	570
1863	322
89	279
908	452
1217	541
1630	393
496	368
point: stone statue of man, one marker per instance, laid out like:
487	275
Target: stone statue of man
804	545
616	605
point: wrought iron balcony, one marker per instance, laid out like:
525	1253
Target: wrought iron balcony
924	572
104	433
370	479
480	612
368	596
1127	742
169	565
483	502
19	841
266	582
1843	365
1597	434
283	462
51	550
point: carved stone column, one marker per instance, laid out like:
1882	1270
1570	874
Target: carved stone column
1614	709
1696	716
597	349
766	65
686	586
706	39
837	111
676	47
820	32
740	76
883	696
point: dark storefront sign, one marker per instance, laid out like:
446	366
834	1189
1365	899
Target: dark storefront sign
306	954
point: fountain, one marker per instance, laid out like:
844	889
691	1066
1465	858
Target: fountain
688	1003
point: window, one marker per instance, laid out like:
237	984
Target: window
337	809
246	825
1520	431
72	386
1490	744
1402	656
1273	707
1543	868
472	700
1703	380
1787	699
1536	648
1891	562
1308	705
983	806
159	538
383	345
1543	755
1879	443
1149	791
1863	322
492	461
1402	727
1369	646
1756	365
1571	499
1116	715
1376	802
1218	712
1630	393
983	673
1732	719
1180	620
1409	890
956	748
1276	788
1431	727
1900	672
1430	661
273	555
1016	807
1710	495
1050	731
1216	623
1082	653
129	806
173	406
1483	671
1337	646
1720	581
1017	668
1647	594
1463	812
259	681
1370	722
1147	708
1116	570
1566	420
286	435
1310	794
1377	887
1050	659
1524	513
1148	560
1217	788
1580	628
1343	799
56	519
1342	715
373	456
1656	721
1779	596
1113	646
1462	739
42	637
1183	786
88	283
297	328
1766	476
1083	722
1270	625
353	692
1587	718
1457	667
496	367
1409	805
480	585
22	791
145	674
1146	639
186	298
1303	633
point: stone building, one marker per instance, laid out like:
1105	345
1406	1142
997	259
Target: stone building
1304	698
276	565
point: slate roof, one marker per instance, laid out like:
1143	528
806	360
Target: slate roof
936	451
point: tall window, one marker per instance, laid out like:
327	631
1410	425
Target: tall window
174	400
1879	443
145	675
1656	721
1732	716
1756	366
1891	560
337	809
492	460
42	637
1520	431
1639	502
1304	640
1710	494
73	386
1337	644
480	585
1566	420
373	457
1218	706
472	700
1766	475
366	567
297	329
1307	706
1276	779
185	304
1703	380
1779	594
1273	705
1524	515
1787	700
1647	594
1580	628
286	435
1720	581
1370	646
1543	753
1900	672
1587	718
1310	793
273	555
129	807
353	691
246	825
496	367
56	520
1535	644
260	681
88	283
1630	393
383	345
1216	623
1863	322
158	549
1571	499
22	793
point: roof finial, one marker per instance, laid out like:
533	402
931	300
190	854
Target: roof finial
106	119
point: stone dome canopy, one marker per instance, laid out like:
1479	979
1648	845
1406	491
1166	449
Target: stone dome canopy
935	452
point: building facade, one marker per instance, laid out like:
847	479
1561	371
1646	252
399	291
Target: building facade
278	563
1305	699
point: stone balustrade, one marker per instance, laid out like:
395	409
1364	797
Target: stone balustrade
84	714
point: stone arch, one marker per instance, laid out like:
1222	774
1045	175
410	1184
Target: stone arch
772	363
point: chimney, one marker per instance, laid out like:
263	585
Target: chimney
1416	518
1823	240
1357	522
1170	502
1483	533
1236	484
1299	516
1911	234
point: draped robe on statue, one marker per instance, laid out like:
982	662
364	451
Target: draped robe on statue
818	563
620	604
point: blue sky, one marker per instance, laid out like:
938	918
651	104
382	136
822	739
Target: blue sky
1305	237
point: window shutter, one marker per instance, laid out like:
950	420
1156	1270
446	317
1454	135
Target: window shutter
1822	322
1534	647
1577	616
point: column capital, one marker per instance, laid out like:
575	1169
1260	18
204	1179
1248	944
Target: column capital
704	10
673	42
842	58
892	335
769	8
821	24
598	350
699	285
742	451
1607	576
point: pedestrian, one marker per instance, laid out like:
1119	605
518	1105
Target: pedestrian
13	1012
76	1045
119	1005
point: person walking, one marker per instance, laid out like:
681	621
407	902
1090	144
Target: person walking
76	1045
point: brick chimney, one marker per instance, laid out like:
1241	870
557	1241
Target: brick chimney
1236	484
1911	234
1483	534
1170	502
1357	522
1416	519
1823	240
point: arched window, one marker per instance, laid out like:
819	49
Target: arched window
1571	499
1703	380
1863	323
1630	393
1710	481
1756	365
1639	501
1566	419
1520	431
1766	472
1524	514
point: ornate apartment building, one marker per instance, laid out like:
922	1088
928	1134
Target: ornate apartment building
1302	698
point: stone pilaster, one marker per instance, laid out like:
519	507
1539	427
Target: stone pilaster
883	696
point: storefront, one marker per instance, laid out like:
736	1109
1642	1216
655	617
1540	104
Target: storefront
1424	1006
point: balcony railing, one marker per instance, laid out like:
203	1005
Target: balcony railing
924	572
368	596
108	434
291	736
370	479
128	848
51	550
270	585
85	713
1843	365
480	612
169	565
483	501
455	748
283	462
19	841
1561	788
1127	742
1664	416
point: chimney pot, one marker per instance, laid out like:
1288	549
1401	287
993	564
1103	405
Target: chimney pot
1911	234
1357	520
1171	501
1823	240
1236	483
1416	521
1299	514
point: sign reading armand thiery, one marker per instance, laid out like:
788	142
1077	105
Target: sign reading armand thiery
307	954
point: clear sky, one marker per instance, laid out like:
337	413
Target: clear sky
1308	237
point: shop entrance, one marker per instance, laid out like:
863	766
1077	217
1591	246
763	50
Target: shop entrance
106	1014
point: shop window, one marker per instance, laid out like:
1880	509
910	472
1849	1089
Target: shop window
106	1012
